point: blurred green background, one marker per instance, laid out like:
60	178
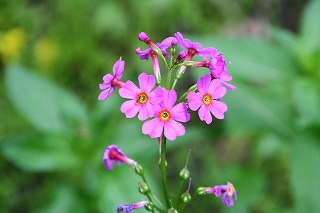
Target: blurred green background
53	130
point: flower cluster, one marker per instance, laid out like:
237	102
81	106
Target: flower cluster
161	110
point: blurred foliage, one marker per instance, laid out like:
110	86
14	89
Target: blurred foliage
267	146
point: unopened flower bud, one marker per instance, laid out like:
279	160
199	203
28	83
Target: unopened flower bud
149	206
186	197
139	169
142	36
143	188
184	173
201	191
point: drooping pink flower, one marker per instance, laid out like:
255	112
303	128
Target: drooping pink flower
208	99
218	68
163	45
166	118
143	100
227	191
128	208
115	155
110	82
193	48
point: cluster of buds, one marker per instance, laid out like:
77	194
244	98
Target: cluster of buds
163	112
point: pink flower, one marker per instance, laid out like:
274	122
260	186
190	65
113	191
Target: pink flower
218	68
227	191
208	99
143	100
115	155
128	208
166	116
110	82
193	48
166	43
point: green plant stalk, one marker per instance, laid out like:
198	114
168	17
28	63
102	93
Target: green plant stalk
179	192
163	167
182	98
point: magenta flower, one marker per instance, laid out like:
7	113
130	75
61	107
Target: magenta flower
110	82
145	54
208	99
143	100
128	208
227	191
193	48
115	155
166	116
218	68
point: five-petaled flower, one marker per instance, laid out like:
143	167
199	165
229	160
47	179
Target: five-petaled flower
227	191
110	82
208	99
166	116
128	208
143	100
115	155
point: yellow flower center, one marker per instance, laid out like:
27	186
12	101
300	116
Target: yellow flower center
142	98
207	99
164	115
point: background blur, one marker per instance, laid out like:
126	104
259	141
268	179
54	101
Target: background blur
53	130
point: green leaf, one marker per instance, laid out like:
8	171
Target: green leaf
310	27
307	100
45	105
40	152
287	39
305	167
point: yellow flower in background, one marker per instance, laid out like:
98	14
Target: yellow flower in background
11	44
45	51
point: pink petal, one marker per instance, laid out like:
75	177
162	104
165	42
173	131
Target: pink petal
153	128
146	111
129	90
216	90
172	129
169	99
228	86
105	94
218	109
130	108
118	68
204	114
156	96
194	100
180	112
146	82
203	84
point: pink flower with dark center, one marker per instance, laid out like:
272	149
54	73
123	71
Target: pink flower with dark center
143	100
115	155
110	82
166	118
208	99
227	191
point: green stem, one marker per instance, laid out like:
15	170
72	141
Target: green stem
192	88
150	192
163	167
179	192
